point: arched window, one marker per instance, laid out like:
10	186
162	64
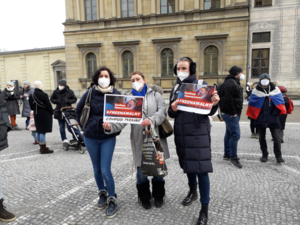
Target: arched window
90	10
211	60
167	62
91	64
128	66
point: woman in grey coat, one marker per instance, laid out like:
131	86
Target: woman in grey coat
27	91
155	109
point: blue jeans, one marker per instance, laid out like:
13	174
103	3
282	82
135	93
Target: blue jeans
27	121
204	185
143	179
62	129
232	135
101	152
41	137
33	133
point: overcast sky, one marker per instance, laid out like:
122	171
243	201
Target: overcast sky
26	24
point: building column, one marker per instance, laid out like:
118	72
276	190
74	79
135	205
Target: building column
114	9
181	5
196	4
101	10
140	10
222	4
227	3
241	2
201	4
47	72
153	7
23	67
78	10
2	73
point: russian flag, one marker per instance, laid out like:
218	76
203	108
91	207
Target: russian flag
257	99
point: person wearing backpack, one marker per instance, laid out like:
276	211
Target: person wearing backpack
192	139
283	117
231	105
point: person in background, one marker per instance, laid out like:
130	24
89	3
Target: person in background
248	91
283	117
63	96
32	128
254	131
5	127
26	92
11	96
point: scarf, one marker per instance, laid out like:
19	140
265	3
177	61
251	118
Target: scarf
141	93
106	90
257	99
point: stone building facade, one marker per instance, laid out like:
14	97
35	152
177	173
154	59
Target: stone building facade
274	42
150	35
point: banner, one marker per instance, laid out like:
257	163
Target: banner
195	98
123	109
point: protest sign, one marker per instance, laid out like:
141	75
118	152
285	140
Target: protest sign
195	98
123	109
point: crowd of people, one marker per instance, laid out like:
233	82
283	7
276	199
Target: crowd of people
192	132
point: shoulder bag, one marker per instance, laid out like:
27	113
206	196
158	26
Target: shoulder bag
85	113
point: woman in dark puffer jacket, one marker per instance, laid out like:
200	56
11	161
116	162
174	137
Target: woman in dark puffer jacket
192	139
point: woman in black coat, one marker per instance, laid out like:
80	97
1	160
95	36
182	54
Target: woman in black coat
192	139
43	111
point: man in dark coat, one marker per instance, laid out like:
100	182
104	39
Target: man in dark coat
5	126
63	96
231	105
26	92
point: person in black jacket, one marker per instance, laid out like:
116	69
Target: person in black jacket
5	127
231	105
283	117
43	111
63	96
192	139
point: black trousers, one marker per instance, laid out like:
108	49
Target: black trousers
275	132
252	127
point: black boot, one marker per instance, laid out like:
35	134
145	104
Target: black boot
111	210
192	195
203	215
4	214
264	157
102	203
158	192
144	194
279	158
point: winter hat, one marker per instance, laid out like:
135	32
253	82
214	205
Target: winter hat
11	83
38	84
62	82
264	76
26	83
235	70
248	83
282	89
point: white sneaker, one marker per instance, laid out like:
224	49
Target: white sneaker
66	141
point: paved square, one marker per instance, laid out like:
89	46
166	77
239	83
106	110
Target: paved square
60	188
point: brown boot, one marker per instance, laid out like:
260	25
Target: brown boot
4	214
44	149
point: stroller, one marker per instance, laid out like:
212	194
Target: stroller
68	114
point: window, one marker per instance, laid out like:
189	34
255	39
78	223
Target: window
211	60
167	6
90	10
211	4
260	62
261	37
127	8
258	3
91	64
128	66
167	62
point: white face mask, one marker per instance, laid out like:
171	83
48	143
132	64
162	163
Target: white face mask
265	82
182	75
10	89
104	82
138	86
242	77
61	87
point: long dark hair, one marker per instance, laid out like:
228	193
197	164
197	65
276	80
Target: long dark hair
97	73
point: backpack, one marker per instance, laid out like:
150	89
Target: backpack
200	82
291	107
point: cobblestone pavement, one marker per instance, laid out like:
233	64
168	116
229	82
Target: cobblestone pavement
59	189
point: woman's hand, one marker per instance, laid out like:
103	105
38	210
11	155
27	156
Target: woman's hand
146	122
106	126
215	98
25	95
174	106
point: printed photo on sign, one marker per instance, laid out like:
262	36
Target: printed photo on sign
195	98
123	109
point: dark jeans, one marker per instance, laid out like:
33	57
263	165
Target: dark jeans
275	132
27	121
62	129
204	185
101	152
252	127
232	135
143	179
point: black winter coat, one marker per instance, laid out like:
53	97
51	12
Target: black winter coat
283	117
5	125
62	98
12	101
269	114
43	111
93	128
192	136
231	96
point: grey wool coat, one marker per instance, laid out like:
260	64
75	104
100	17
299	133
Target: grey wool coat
12	101
155	109
26	106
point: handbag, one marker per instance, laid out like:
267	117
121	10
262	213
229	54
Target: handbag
165	129
85	113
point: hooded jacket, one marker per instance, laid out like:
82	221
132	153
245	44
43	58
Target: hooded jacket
12	101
